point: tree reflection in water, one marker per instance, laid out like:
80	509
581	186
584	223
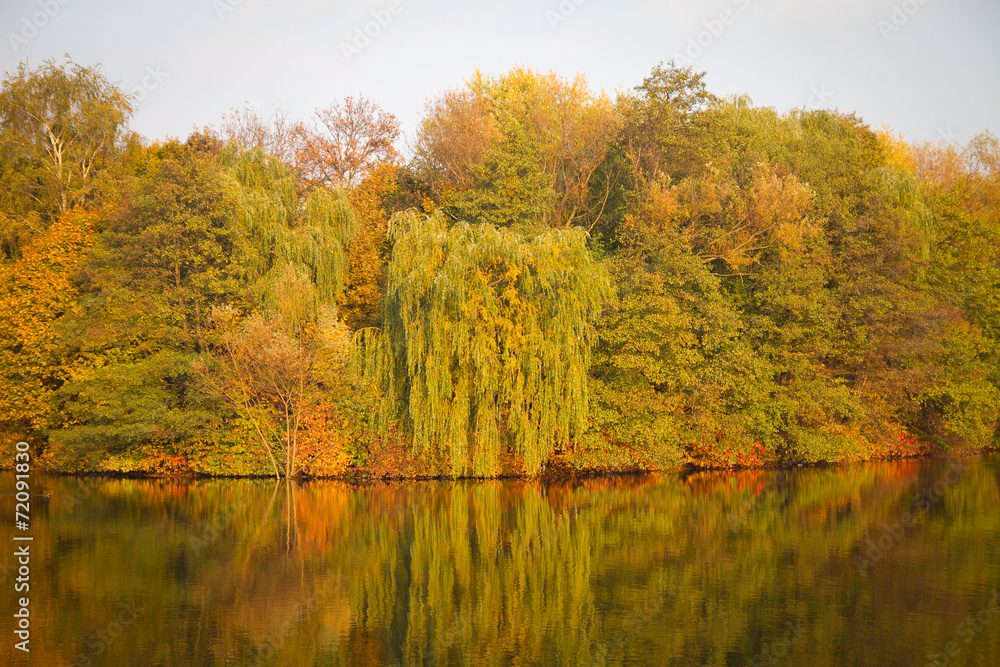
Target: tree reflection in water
706	569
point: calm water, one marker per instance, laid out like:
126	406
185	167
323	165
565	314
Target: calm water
808	567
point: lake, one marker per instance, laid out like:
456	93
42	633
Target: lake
893	563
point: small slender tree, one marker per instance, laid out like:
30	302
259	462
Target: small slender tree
270	366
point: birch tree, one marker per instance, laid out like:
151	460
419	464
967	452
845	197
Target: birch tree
60	127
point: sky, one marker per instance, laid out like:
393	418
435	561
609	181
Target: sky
929	69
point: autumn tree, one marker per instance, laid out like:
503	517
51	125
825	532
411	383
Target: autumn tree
521	148
337	147
198	229
661	137
820	329
38	292
171	240
729	226
62	129
295	261
960	360
361	306
665	123
346	142
277	136
166	254
269	366
486	340
670	366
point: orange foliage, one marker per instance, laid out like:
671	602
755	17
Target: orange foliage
718	456
36	291
321	441
899	444
362	302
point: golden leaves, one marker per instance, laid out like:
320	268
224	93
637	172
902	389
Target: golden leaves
37	291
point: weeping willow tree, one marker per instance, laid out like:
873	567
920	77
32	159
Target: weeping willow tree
486	340
282	227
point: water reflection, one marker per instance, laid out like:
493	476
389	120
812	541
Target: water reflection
801	567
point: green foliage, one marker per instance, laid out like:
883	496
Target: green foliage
281	226
828	336
62	137
667	364
117	407
961	401
168	253
666	132
662	135
788	287
485	342
509	187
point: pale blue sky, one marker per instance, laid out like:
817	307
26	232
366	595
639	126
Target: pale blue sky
930	68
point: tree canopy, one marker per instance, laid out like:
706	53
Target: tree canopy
555	279
486	340
63	128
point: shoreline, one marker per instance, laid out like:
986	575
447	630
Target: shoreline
555	475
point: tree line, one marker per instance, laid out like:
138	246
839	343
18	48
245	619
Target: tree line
554	279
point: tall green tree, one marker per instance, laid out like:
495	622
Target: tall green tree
280	226
486	340
167	253
169	250
662	135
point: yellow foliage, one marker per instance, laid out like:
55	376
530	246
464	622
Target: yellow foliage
900	153
362	300
35	292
